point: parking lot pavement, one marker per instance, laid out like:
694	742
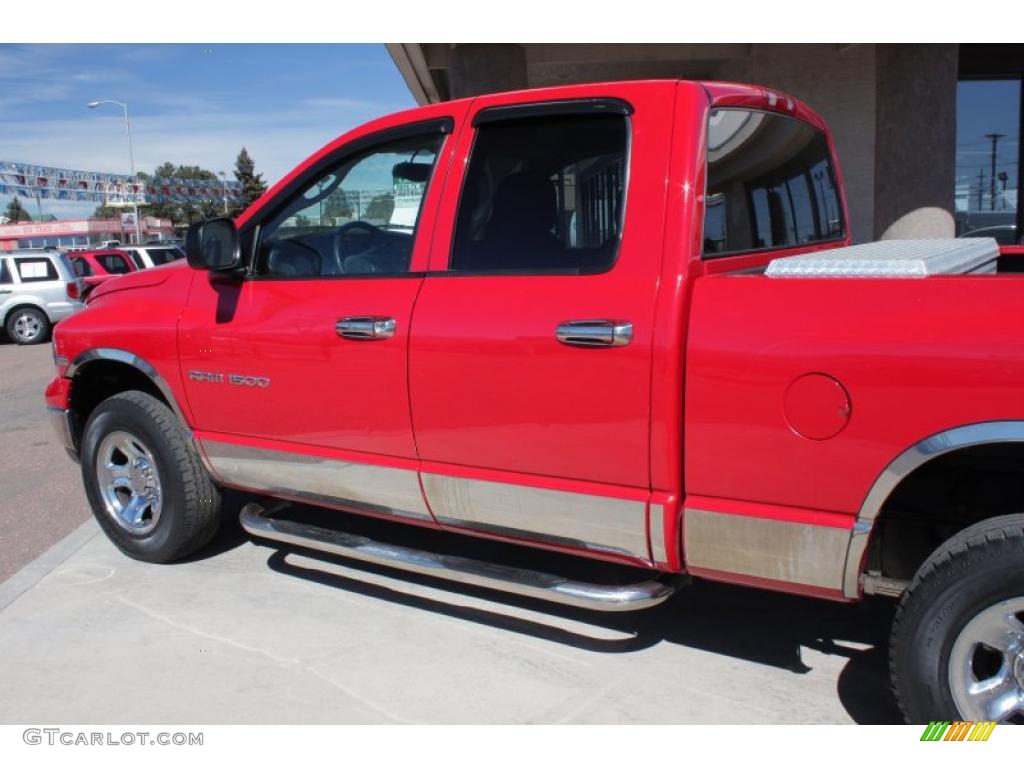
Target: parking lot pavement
248	634
41	497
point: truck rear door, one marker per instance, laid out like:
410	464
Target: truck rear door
530	351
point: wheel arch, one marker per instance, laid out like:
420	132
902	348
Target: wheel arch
906	466
97	374
23	304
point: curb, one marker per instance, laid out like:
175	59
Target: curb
35	571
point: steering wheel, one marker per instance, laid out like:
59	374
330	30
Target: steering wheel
362	261
345	229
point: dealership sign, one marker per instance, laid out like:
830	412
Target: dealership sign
37	181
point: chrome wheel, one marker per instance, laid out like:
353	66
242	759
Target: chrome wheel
129	483
986	666
27	326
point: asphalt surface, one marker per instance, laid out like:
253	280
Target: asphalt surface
41	497
245	633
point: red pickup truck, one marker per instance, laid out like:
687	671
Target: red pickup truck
621	321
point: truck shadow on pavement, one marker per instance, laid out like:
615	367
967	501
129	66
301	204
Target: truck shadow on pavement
749	624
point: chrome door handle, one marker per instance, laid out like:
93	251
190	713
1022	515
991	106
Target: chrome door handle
366	328
595	333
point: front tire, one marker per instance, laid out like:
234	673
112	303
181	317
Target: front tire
28	325
145	483
957	649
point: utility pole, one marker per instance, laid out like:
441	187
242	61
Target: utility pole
994	138
1003	176
981	187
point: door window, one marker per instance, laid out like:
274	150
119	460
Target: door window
81	267
543	194
163	255
358	218
113	263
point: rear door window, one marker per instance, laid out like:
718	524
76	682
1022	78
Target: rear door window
771	184
5	273
543	194
35	270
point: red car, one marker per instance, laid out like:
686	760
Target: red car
622	321
96	267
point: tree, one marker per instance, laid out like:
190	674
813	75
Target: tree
252	183
182	212
16	212
106	212
337	206
380	208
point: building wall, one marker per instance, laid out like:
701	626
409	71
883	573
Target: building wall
915	157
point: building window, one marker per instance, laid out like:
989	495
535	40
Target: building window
989	116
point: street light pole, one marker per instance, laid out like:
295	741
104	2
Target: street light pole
224	189
131	160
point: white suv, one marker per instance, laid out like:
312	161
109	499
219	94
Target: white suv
37	289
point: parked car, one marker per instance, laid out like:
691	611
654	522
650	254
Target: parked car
38	288
147	256
97	266
622	321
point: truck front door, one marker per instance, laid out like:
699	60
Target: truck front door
297	374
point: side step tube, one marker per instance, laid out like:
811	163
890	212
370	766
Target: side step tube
256	518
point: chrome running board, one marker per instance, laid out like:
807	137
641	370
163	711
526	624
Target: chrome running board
256	518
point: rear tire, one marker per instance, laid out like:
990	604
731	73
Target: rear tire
28	325
144	480
957	649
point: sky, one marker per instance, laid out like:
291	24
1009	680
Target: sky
188	104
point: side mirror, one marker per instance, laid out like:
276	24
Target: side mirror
213	245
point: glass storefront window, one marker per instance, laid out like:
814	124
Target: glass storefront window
988	159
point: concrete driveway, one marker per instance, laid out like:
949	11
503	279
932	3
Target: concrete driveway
244	633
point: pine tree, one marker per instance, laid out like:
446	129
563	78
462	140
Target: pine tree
252	183
16	212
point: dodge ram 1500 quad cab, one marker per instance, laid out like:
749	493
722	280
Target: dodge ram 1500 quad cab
621	321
